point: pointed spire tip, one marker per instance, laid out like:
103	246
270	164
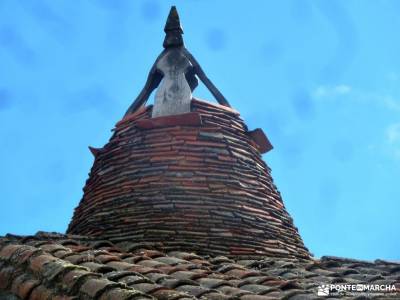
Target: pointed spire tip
173	21
173	29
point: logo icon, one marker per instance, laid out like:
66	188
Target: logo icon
323	290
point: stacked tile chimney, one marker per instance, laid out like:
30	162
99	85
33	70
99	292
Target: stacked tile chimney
185	173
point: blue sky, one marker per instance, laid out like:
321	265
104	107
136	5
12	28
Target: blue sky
322	78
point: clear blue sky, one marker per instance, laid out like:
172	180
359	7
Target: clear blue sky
322	78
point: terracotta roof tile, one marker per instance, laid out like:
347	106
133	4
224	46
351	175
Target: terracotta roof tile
188	275
120	294
6	276
40	292
73	279
23	285
132	279
94	287
164	294
255	297
214	296
104	258
33	271
97	267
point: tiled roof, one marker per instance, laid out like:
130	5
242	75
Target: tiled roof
57	266
194	181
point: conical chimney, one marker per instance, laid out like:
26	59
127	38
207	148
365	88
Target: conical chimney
190	178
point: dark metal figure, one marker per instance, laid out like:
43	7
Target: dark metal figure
177	68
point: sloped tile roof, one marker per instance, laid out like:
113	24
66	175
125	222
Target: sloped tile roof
57	266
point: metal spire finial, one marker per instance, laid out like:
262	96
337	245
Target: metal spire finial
173	30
